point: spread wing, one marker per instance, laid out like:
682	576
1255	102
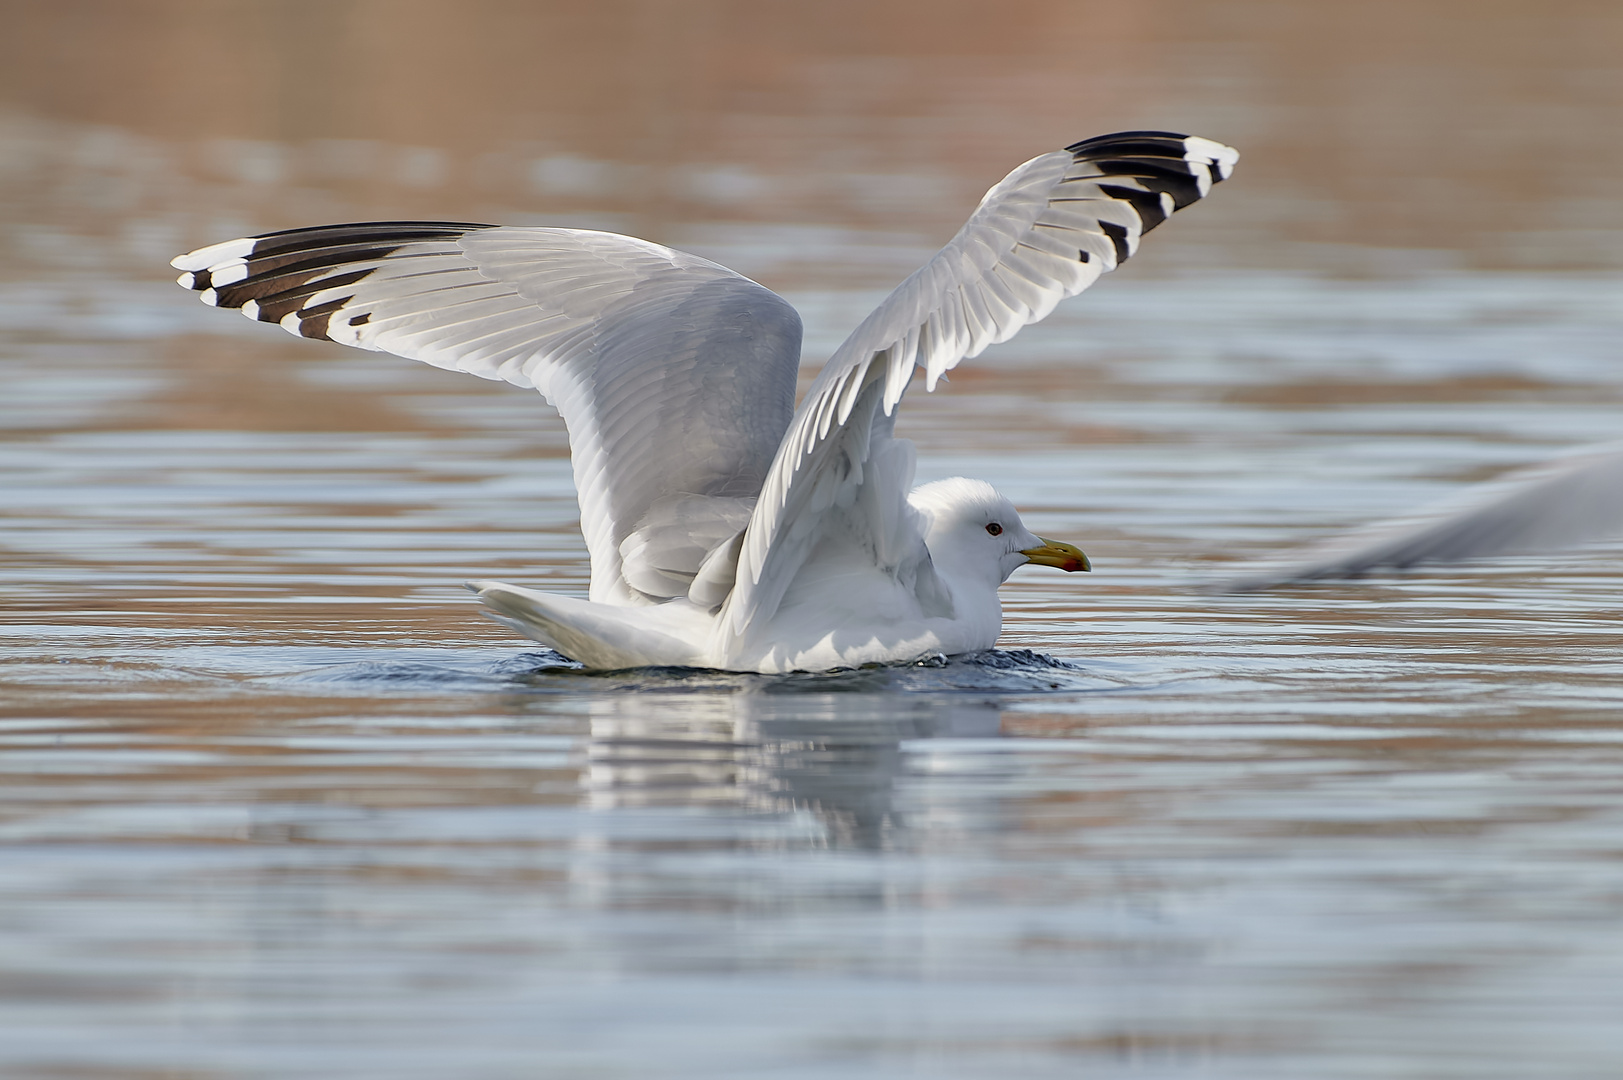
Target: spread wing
1047	231
675	376
1547	507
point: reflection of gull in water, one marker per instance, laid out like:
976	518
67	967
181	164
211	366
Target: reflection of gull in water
727	528
835	757
1555	505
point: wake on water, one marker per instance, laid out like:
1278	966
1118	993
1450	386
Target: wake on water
1015	671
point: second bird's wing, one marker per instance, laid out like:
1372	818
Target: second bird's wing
1558	504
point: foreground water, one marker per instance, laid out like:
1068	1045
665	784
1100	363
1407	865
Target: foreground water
277	802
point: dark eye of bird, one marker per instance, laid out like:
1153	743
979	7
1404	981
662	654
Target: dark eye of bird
995	529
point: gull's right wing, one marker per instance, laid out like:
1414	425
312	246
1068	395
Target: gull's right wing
676	376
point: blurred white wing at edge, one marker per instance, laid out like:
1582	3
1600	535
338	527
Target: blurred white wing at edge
1552	506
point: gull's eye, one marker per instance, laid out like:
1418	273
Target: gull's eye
995	529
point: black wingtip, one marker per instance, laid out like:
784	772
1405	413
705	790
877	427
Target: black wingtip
1152	140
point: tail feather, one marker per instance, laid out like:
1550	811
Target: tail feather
599	635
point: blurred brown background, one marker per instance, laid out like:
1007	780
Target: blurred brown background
1377	137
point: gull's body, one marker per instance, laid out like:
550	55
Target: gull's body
727	528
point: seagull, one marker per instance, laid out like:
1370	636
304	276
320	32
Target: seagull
727	528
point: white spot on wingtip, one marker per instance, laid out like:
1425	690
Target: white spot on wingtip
205	257
228	273
250	308
188	280
1221	158
209	297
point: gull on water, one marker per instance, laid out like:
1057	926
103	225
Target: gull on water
728	528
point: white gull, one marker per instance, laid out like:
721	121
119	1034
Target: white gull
728	528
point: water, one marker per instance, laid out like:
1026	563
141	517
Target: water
276	801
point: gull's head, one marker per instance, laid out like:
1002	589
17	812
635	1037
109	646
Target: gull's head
974	530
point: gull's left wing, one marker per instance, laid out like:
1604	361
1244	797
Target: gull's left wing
1047	231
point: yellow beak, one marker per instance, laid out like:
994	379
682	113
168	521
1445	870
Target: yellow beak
1057	553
